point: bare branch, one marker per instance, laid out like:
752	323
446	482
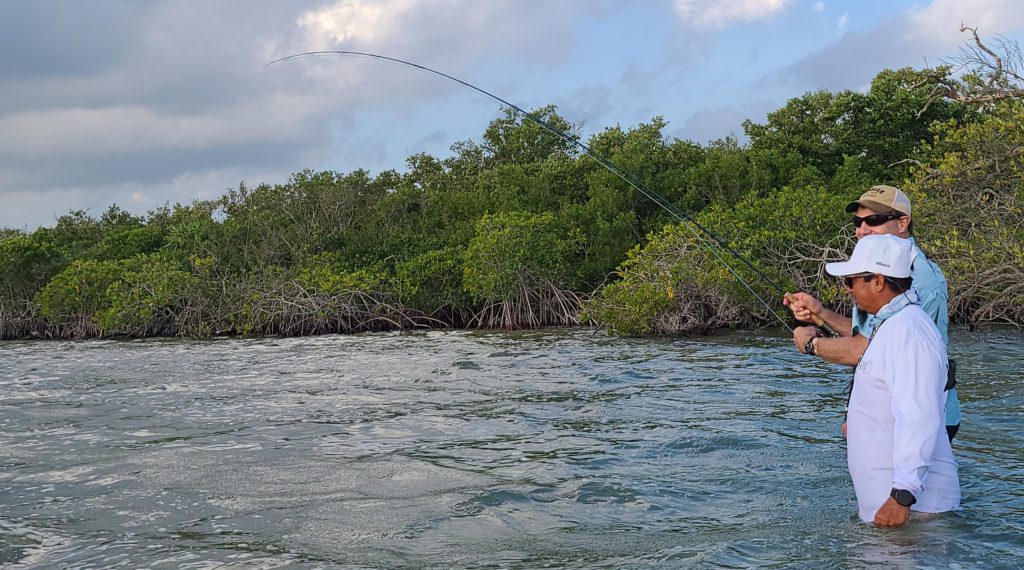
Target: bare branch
996	73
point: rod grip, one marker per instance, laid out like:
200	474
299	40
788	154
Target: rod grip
818	322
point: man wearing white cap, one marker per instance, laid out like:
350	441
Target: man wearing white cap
882	210
897	450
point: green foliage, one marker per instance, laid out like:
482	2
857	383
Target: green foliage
723	176
674	284
631	305
74	234
432	283
512	248
596	242
969	210
327	273
27	261
510	140
519	228
80	291
885	126
646	157
144	297
128	241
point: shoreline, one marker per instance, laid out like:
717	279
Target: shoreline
594	330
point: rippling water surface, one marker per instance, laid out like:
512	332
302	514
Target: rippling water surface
472	450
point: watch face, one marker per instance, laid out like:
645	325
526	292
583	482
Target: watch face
905	498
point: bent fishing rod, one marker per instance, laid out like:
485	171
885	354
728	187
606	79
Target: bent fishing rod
687	221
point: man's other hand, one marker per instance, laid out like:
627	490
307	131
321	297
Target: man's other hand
892	514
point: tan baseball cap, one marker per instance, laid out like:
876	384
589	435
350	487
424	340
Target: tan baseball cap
881	199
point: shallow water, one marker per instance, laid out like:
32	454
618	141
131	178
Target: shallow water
473	450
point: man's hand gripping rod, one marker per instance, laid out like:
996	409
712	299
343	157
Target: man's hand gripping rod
818	322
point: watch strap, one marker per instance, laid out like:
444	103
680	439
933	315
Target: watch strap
903	497
809	348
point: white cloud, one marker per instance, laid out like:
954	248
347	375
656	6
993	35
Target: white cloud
922	34
87	132
722	13
30	209
459	31
157	101
938	23
842	21
819	6
353	20
711	124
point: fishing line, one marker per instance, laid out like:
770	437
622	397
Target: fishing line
671	208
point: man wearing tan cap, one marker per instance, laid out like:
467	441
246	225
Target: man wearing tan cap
882	210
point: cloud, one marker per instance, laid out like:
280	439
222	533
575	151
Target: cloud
914	38
842	21
851	61
172	88
141	102
30	209
131	102
88	132
723	13
712	124
55	38
435	139
457	32
819	6
938	23
353	21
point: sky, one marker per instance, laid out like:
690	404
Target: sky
144	104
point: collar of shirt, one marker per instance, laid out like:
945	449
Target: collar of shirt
891	308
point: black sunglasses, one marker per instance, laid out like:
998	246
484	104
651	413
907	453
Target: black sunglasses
876	219
849	280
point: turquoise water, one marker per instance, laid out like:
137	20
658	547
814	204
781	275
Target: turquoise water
558	449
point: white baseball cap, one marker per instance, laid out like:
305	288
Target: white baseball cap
885	254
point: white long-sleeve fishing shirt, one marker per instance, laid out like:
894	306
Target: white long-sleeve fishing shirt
896	435
932	295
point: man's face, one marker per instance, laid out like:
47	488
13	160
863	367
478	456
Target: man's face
863	291
894	227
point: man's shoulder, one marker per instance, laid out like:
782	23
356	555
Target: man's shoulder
923	266
911	312
929	281
911	318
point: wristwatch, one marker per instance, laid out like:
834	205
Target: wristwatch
809	347
903	497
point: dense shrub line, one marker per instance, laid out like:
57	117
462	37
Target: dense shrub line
520	230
